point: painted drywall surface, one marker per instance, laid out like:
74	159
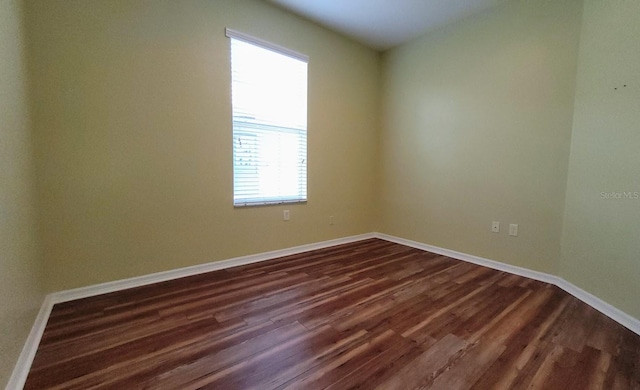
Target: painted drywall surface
601	235
20	290
132	116
476	128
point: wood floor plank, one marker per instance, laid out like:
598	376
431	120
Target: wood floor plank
370	315
466	370
425	367
307	362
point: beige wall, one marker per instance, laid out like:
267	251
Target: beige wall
132	118
601	240
20	290
476	128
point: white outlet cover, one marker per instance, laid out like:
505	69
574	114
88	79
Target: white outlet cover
513	229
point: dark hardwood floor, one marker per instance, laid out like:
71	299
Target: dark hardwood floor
371	314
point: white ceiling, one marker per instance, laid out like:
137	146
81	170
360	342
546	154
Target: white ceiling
383	24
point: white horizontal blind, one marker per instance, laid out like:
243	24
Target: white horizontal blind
269	97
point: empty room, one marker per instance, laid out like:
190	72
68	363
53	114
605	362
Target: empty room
319	194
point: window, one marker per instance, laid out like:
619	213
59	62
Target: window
269	98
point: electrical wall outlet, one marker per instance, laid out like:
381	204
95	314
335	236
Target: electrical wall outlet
513	229
285	215
495	227
331	222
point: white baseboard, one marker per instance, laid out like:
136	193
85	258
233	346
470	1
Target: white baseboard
624	319
104	288
512	269
19	376
23	365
